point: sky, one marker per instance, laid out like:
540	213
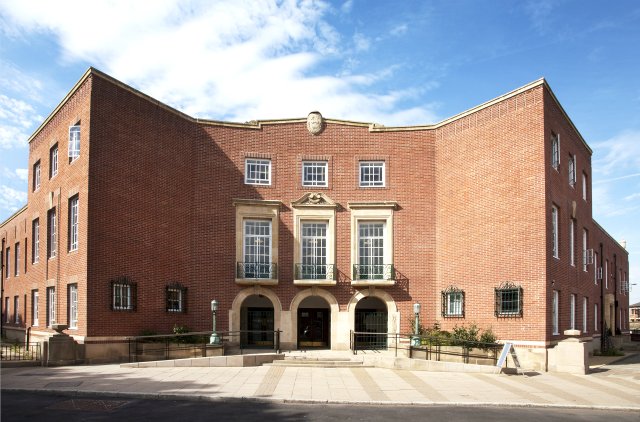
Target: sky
393	63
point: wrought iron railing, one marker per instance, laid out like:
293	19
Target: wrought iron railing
21	351
428	347
193	345
373	272
256	270
315	272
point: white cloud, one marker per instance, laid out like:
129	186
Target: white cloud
232	59
399	30
361	42
11	199
618	154
16	121
632	197
22	174
347	6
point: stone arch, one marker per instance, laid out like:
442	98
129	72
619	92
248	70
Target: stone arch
334	308
393	321
234	312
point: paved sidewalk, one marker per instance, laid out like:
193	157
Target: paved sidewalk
612	386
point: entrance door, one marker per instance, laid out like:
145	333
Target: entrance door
367	323
313	327
260	319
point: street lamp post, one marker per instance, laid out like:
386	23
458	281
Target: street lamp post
215	339
416	330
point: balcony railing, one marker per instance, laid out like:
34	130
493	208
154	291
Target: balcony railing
373	272
315	272
256	270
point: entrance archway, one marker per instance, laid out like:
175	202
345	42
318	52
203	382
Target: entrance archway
314	323
257	322
371	321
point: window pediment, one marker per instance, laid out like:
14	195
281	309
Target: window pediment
314	199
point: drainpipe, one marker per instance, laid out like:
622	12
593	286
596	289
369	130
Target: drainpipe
615	294
602	324
2	310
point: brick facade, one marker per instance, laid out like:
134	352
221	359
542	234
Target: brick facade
470	200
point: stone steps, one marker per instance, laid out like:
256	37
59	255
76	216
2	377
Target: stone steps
318	362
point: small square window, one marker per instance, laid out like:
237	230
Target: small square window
314	173
176	298
371	173
257	172
508	298
123	295
453	303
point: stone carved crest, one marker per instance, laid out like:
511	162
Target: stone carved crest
314	199
315	122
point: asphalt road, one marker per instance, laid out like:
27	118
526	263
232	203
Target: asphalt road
21	406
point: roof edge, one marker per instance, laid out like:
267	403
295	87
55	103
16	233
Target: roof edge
14	215
610	237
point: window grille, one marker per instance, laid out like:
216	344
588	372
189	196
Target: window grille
314	173
508	300
555	151
74	142
36	176
572	170
257	172
73	306
453	302
35	241
257	249
73	223
372	173
176	298
53	161
123	294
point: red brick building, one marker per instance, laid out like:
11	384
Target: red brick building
139	215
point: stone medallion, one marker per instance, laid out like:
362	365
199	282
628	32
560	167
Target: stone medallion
315	123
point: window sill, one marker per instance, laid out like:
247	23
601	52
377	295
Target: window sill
377	283
314	282
257	281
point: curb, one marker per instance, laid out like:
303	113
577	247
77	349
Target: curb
183	397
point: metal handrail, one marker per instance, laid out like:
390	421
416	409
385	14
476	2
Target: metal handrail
21	351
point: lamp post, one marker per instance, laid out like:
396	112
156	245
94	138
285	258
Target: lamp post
215	339
416	330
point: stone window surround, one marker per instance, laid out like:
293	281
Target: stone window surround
257	209
372	211
323	211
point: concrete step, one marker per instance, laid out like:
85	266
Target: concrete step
318	363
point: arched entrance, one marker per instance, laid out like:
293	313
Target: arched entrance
257	321
314	323
371	317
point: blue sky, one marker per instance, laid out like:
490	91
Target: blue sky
414	62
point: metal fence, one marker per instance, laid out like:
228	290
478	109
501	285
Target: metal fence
21	351
197	344
429	348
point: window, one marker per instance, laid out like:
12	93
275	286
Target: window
16	260
585	307
73	223
554	230
572	170
74	142
585	252
572	242
453	302
123	294
371	259
7	263
35	241
72	305
508	300
572	310
257	250
314	173
34	307
36	176
313	241
606	274
555	151
53	161
52	234
6	310
584	186
51	306
176	298
595	317
16	305
597	271
554	313
371	173
257	172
